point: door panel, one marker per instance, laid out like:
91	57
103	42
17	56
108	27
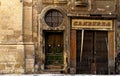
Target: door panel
94	55
78	49
101	53
54	50
84	65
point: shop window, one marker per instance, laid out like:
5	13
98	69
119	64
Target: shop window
53	18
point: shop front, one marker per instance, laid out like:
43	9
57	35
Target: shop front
92	45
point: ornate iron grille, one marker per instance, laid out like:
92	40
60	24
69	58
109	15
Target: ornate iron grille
53	18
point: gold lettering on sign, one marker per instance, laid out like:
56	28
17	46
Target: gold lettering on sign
60	1
95	24
47	1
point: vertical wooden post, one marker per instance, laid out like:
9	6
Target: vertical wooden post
111	53
73	51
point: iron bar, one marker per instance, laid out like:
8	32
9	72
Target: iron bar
82	45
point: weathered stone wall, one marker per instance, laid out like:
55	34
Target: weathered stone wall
36	35
11	59
21	31
11	38
118	39
43	7
28	36
17	29
118	28
11	22
94	8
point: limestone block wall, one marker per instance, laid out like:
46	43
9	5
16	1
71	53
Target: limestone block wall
117	70
118	29
11	37
11	59
20	38
118	37
28	36
35	34
27	21
11	22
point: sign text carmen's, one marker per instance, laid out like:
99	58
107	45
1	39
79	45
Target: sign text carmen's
89	24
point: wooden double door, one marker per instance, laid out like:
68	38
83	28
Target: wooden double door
92	57
54	46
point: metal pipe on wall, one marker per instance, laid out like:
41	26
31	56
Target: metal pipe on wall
82	39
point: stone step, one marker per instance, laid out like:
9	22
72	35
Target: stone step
53	71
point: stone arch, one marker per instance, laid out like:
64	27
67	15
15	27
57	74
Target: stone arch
48	8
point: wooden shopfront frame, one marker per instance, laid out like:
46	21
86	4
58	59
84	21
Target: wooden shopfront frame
94	24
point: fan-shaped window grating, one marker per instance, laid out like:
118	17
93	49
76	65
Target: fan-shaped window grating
53	18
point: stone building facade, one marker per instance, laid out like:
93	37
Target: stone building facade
59	36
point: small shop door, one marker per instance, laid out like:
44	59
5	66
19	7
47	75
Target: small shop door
54	50
94	59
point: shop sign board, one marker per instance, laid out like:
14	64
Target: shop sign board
91	24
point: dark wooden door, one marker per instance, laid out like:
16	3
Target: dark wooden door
101	52
94	55
54	50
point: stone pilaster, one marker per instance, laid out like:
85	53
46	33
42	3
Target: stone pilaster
28	36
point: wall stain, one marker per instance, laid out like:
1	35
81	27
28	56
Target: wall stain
28	4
